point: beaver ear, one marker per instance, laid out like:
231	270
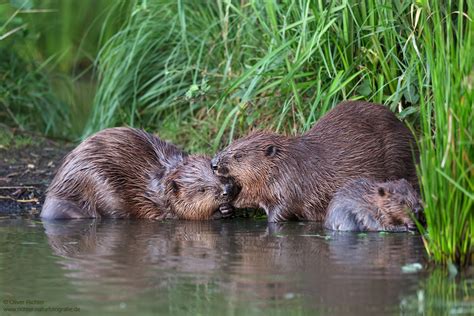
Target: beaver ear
271	151
381	191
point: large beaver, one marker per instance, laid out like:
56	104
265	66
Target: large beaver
128	173
296	177
367	205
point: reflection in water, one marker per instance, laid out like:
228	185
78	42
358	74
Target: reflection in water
268	265
221	267
440	294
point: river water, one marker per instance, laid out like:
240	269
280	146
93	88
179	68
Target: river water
227	267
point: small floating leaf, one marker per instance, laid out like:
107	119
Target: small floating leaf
412	267
383	233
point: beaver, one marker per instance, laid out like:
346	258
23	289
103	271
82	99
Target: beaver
129	173
367	205
295	177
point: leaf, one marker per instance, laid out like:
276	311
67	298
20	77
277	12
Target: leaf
411	94
364	88
407	111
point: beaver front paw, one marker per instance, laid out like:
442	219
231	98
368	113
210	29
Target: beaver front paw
226	210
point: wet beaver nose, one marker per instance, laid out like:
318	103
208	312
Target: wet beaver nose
214	164
420	215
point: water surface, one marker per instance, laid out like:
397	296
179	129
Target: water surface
228	267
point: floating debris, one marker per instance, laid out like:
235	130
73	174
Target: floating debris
317	236
412	267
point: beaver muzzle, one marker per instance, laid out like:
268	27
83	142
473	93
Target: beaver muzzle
218	168
229	188
214	163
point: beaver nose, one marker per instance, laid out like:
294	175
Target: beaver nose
214	164
420	215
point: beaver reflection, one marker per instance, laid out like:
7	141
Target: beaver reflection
245	261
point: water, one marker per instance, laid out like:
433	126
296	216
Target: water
234	267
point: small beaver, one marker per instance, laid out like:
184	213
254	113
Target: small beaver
129	173
296	177
367	205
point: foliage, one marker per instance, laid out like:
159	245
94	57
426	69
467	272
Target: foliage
225	67
51	45
26	98
446	73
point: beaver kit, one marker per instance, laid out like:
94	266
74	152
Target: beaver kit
367	205
296	177
128	173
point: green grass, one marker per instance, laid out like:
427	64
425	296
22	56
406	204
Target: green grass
26	98
47	49
447	144
210	71
10	140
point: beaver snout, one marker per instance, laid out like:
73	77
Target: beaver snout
214	162
218	168
420	214
229	189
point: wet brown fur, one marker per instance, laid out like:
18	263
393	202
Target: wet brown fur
296	177
367	205
129	173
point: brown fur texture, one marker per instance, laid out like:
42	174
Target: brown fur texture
128	173
296	177
367	205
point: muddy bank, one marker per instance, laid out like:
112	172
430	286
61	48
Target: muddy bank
27	166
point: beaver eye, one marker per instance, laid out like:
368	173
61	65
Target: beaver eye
237	156
202	190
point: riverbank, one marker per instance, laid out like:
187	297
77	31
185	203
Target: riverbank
27	166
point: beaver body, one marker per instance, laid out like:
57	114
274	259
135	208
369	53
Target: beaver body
367	205
296	177
128	173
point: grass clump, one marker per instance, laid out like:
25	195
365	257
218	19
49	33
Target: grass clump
47	49
26	97
210	71
446	73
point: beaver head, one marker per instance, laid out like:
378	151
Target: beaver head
397	198
194	192
251	162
